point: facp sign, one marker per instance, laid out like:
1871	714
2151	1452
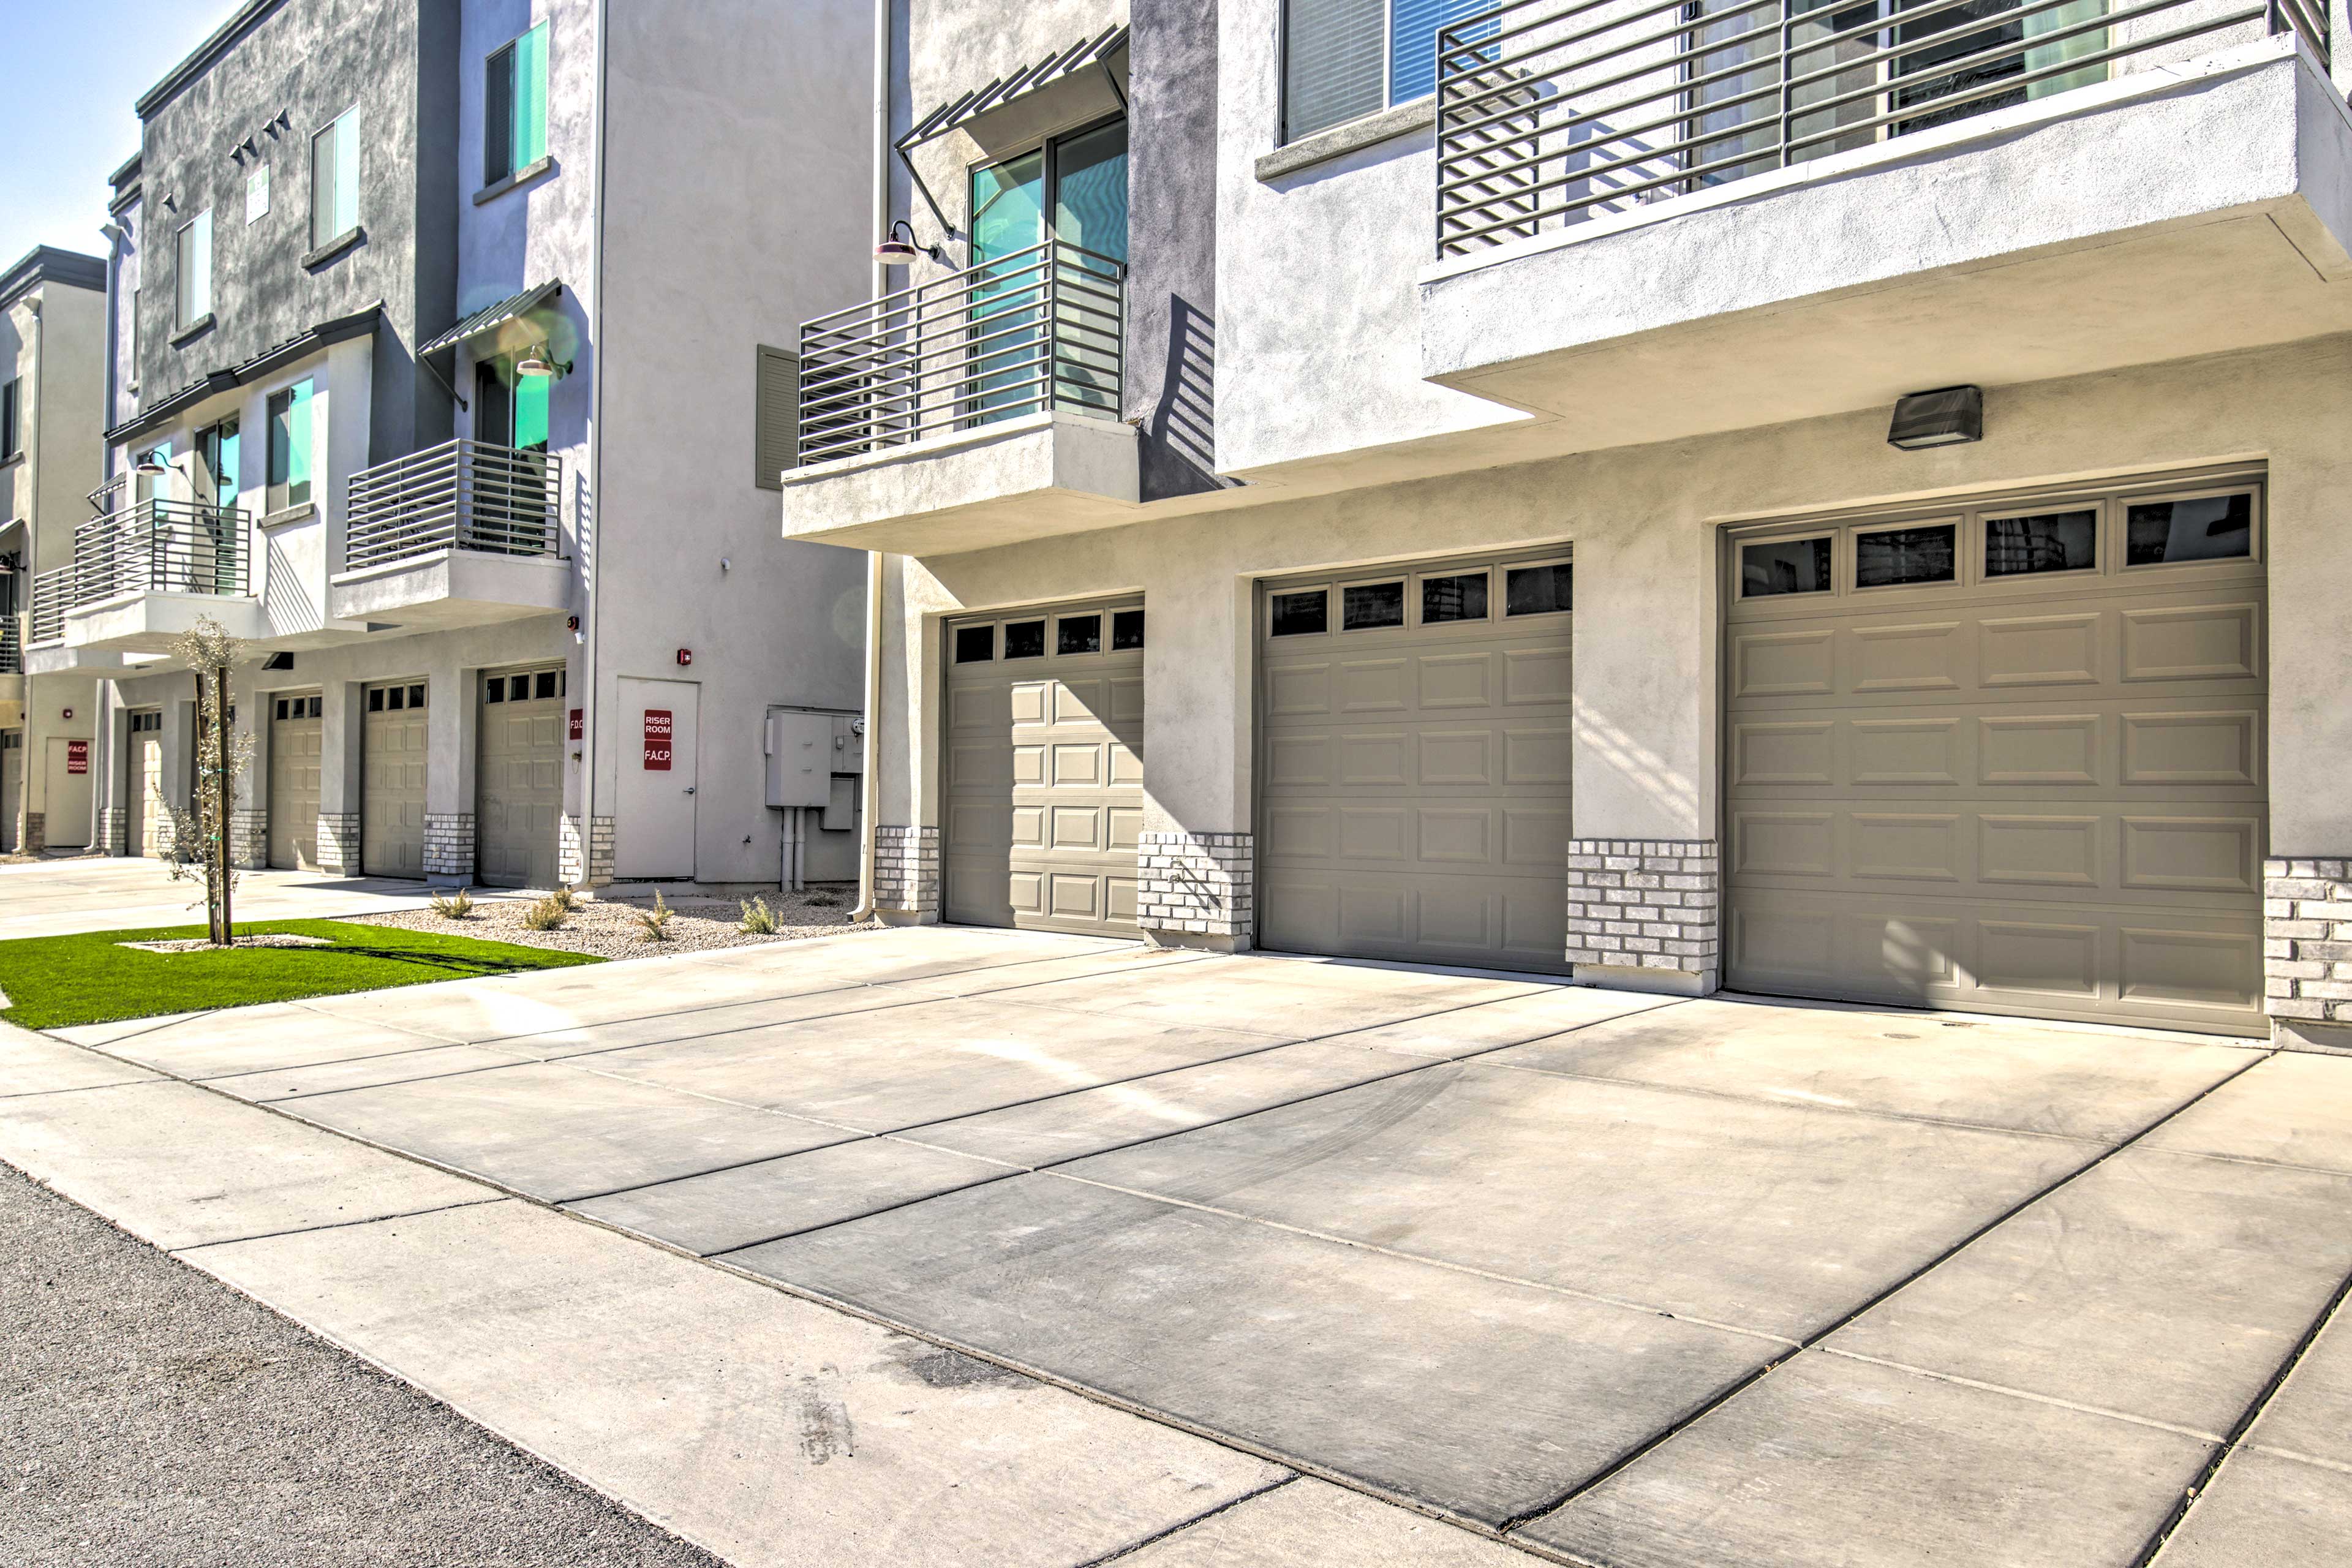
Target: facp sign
78	757
575	724
657	733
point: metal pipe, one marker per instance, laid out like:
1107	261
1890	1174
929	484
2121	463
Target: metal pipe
868	789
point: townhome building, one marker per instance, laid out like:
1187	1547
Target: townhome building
52	351
1840	502
444	338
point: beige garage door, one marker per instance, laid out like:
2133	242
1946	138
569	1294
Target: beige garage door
1045	753
392	780
294	738
142	784
1413	767
2006	757
12	785
519	791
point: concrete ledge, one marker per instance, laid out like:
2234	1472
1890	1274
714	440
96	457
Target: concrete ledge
452	588
1031	477
1367	132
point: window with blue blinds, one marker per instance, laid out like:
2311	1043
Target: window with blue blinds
1346	58
514	107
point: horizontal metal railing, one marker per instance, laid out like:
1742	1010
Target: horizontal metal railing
160	547
1556	111
52	596
459	495
1037	330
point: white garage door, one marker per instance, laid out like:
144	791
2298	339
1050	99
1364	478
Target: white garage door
2005	756
520	788
1413	767
392	780
294	749
12	785
1044	754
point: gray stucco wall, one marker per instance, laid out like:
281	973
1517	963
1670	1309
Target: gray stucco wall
288	73
1171	304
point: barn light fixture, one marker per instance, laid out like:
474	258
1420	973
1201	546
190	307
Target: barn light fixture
1948	416
896	252
537	364
152	467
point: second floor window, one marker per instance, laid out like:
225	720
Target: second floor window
215	475
514	107
12	434
290	447
193	267
335	179
1343	59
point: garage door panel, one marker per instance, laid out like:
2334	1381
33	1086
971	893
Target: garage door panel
1043	814
1537	675
1294	761
1538	756
1459	835
2041	797
1457	680
1298	690
2223	747
1535	837
2193	642
1456	757
1368	758
518	778
1374	833
2026	651
295	749
1375	686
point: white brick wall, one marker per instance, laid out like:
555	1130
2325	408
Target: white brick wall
249	837
449	844
2308	940
1202	884
339	842
906	869
34	842
591	868
1645	903
114	830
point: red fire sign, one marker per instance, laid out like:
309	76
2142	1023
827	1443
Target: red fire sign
657	727
575	724
77	756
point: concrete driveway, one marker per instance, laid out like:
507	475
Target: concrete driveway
1626	1281
59	898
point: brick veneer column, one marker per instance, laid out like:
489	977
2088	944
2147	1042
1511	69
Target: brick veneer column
1198	886
34	840
449	845
249	837
1646	903
2307	951
339	842
907	871
588	866
114	830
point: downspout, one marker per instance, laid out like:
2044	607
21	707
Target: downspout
591	580
870	786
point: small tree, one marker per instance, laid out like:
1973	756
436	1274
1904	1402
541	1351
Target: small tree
200	844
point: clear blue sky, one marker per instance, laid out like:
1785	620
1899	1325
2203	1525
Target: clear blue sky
65	115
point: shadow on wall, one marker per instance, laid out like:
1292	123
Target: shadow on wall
584	535
283	599
1180	446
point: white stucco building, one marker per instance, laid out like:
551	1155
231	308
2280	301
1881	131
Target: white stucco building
437	377
52	353
1548	591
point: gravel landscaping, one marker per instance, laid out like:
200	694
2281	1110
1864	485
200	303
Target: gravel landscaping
608	928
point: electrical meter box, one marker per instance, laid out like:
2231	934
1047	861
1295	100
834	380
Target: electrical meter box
801	759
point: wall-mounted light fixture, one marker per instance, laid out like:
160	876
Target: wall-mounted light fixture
150	467
896	252
537	364
1948	416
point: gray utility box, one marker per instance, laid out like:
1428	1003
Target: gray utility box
806	752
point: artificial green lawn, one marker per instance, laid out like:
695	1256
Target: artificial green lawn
55	982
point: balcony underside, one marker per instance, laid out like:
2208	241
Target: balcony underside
2174	213
151	623
1030	477
451	588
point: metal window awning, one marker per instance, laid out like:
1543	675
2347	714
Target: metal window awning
493	317
947	117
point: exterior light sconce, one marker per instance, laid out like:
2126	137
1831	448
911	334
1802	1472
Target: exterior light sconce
152	467
896	252
1948	416
537	364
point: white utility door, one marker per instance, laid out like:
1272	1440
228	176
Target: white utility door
65	823
654	833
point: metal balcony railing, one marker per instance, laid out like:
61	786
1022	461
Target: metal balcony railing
160	547
1555	112
1039	330
52	596
459	495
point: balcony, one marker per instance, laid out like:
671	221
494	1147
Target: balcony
465	533
978	409
139	578
1655	219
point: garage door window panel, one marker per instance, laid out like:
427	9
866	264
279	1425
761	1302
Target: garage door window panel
1781	567
1372	606
1916	556
1300	614
1547	589
975	644
1024	639
1077	635
2175	531
2041	544
1455	597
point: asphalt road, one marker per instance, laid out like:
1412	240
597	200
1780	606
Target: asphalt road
151	1416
